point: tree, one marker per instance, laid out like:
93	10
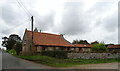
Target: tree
95	42
18	47
99	47
83	42
80	42
75	42
4	42
15	37
11	41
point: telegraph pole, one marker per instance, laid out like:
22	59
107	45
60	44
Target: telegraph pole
32	27
31	48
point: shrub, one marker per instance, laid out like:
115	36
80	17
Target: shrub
13	52
99	47
56	54
18	47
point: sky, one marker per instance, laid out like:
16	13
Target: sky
89	20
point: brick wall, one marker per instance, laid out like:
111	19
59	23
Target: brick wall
27	47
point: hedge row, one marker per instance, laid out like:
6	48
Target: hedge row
56	54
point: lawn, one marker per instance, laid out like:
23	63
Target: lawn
50	61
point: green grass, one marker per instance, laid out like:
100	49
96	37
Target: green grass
50	61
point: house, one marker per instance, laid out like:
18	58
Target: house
43	42
114	48
50	42
82	47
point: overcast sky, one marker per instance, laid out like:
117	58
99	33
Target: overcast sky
89	20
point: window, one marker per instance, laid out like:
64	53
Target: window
38	49
43	48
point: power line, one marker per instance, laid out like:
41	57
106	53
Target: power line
27	12
25	21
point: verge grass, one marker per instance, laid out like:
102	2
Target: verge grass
50	61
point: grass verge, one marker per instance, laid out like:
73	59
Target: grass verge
50	61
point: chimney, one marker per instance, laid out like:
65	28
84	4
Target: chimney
40	31
61	34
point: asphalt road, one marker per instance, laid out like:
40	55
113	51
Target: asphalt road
11	62
113	65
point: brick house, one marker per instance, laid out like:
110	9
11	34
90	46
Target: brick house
114	48
82	47
43	42
50	42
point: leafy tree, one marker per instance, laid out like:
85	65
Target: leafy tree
80	42
75	42
5	41
15	37
83	42
10	44
18	47
99	47
95	42
11	41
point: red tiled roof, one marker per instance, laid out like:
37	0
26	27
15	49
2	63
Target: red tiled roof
113	46
41	38
83	45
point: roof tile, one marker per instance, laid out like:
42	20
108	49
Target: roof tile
48	39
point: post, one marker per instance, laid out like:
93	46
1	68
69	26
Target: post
31	48
32	27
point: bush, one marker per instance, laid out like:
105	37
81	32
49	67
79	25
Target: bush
99	47
56	54
13	52
18	47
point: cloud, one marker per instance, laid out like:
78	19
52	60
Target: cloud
73	19
11	15
105	15
45	22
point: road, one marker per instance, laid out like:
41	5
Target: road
11	62
113	65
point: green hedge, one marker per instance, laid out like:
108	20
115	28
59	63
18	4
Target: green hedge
56	54
13	52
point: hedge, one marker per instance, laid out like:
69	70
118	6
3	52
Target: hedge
56	54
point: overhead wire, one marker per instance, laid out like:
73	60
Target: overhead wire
26	10
25	21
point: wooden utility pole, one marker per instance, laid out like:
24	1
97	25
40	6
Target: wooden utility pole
32	27
31	48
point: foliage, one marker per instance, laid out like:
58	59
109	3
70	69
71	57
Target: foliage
18	47
10	44
4	43
95	42
57	54
11	41
80	42
65	62
99	47
13	52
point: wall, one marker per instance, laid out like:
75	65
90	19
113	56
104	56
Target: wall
27	47
85	50
92	55
114	49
